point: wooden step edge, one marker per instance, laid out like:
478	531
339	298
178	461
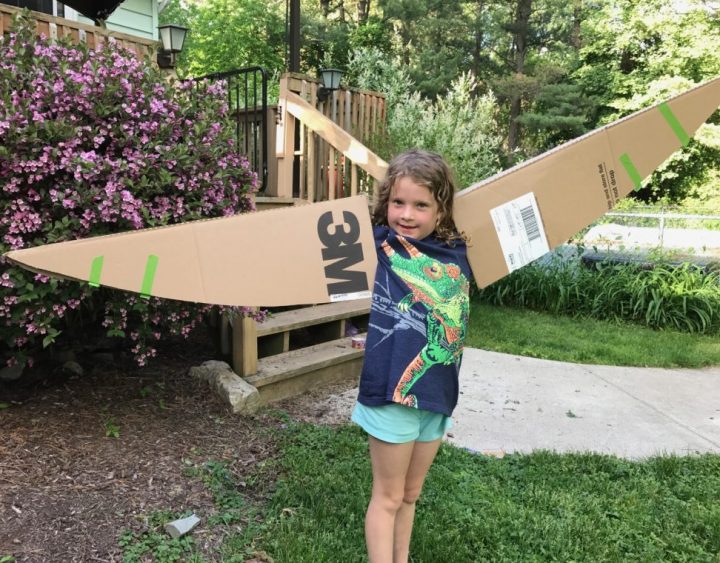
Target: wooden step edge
297	362
310	316
265	202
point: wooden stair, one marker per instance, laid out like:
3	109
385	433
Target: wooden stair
292	373
297	350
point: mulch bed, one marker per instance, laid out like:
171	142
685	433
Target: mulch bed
67	489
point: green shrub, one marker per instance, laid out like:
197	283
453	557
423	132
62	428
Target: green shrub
663	296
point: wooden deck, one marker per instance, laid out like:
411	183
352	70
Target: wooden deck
55	28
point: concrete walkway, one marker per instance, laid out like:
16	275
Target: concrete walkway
517	404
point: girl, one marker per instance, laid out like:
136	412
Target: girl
409	380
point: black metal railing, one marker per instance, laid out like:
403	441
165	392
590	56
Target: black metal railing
249	112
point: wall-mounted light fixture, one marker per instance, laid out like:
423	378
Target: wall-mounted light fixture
172	37
331	81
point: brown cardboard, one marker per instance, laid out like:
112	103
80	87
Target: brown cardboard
325	251
567	182
306	254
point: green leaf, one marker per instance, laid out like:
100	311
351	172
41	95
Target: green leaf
49	339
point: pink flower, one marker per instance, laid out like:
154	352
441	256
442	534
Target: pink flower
98	170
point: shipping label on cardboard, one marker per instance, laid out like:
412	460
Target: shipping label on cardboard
520	231
337	297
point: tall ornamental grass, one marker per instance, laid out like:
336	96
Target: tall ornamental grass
96	142
664	296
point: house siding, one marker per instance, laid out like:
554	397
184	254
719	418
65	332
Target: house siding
133	17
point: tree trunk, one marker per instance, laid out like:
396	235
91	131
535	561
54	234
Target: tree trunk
405	40
520	36
479	37
363	11
577	21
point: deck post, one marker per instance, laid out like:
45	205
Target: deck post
244	346
285	144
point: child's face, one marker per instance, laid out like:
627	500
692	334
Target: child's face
412	209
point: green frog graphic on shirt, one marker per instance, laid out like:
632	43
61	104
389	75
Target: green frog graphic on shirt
443	290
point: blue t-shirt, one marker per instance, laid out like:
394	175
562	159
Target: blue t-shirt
418	321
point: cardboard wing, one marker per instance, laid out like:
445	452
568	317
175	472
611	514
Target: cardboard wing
308	254
325	251
518	215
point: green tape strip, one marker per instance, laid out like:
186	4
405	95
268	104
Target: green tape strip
674	123
631	170
95	271
149	277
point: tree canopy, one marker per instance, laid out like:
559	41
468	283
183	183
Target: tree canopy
555	69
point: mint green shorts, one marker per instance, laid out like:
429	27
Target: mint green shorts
399	424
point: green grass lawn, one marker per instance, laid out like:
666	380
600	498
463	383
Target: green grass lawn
538	507
308	503
589	341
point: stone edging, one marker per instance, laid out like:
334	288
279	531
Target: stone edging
242	397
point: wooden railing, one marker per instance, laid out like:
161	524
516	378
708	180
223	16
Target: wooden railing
320	146
247	95
56	28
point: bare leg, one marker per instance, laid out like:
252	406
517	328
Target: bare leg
389	467
423	455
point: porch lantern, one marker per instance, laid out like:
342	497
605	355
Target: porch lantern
172	37
331	81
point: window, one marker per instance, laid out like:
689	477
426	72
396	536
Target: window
45	6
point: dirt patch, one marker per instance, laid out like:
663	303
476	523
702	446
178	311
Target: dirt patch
331	405
84	457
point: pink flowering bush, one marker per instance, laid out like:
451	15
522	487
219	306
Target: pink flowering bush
96	142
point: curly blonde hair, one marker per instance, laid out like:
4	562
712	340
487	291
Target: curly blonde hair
427	169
